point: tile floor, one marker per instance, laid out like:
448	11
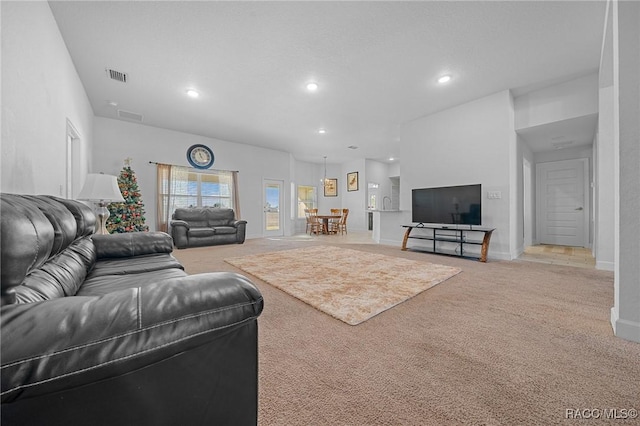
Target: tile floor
559	255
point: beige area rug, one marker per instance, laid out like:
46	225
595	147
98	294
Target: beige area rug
349	285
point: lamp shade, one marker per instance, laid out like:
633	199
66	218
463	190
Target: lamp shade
101	188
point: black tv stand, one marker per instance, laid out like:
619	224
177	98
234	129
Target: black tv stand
450	234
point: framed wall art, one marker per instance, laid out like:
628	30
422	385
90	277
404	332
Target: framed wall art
352	181
331	187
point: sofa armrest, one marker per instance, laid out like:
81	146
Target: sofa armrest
82	340
179	233
132	244
178	222
241	226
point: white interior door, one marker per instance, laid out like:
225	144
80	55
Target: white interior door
273	213
562	201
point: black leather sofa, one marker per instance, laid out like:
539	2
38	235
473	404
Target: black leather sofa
110	330
206	226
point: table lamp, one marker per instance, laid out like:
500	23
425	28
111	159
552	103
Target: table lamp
101	189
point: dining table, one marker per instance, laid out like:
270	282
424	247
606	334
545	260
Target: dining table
325	221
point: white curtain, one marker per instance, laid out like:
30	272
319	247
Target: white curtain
171	181
235	197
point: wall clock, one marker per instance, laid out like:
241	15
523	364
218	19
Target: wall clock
200	156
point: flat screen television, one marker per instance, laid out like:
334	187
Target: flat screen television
447	205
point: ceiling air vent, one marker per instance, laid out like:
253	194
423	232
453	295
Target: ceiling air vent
561	145
116	75
127	115
352	147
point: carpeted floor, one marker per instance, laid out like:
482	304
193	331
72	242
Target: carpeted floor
502	343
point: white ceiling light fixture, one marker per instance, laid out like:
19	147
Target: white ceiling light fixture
322	131
312	86
444	79
192	93
391	158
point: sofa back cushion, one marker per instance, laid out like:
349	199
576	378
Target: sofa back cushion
220	217
195	217
40	238
201	217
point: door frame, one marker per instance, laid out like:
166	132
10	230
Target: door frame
280	231
528	208
72	177
586	211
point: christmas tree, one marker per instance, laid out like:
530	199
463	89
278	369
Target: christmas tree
127	216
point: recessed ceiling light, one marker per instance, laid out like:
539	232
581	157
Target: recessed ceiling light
312	86
192	93
391	158
322	131
444	79
112	103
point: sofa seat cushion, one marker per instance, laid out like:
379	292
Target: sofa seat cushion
134	265
104	284
224	230
201	232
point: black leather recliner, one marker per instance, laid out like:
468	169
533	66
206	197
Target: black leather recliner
109	329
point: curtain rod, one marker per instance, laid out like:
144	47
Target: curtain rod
203	170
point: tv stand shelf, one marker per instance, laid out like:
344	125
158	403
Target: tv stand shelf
450	234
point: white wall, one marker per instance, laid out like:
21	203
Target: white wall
604	167
559	102
41	90
467	144
625	315
394	169
528	196
116	140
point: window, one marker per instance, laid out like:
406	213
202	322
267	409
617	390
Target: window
183	187
307	199
372	201
205	190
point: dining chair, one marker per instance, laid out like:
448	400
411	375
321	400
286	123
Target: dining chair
314	225
333	223
307	216
342	223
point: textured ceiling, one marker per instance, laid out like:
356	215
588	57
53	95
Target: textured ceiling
376	64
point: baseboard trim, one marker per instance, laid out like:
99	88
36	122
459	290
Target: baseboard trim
605	266
614	319
391	243
625	329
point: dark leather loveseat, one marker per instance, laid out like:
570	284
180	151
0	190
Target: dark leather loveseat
206	226
110	330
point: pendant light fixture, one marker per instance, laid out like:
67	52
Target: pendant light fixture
324	180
